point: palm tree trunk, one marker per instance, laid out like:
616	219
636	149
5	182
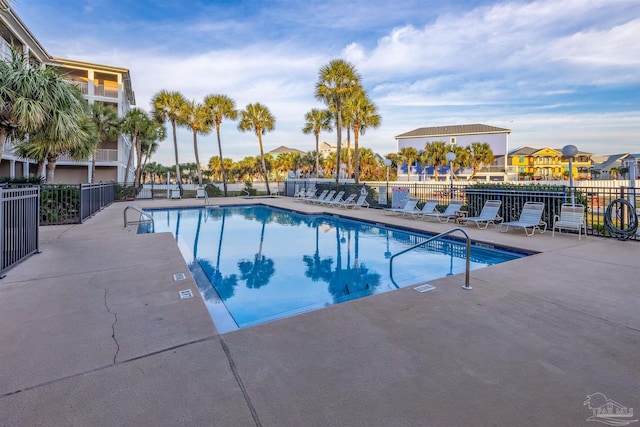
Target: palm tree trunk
4	136
224	173
195	150
339	138
264	165
317	155
355	153
130	158
175	150
51	168
138	172
348	152
93	166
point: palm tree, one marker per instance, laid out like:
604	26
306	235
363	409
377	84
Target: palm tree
26	96
337	81
481	154
166	106
105	119
462	160
221	107
364	116
257	118
317	120
196	117
135	124
258	272
149	141
409	155
435	153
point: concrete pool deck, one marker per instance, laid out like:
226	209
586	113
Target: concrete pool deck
94	333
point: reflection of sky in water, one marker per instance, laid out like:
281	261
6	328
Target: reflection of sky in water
266	264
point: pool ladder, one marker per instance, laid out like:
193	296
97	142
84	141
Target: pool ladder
144	218
468	254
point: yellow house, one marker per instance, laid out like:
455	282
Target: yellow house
548	164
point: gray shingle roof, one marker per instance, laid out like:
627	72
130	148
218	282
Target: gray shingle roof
452	130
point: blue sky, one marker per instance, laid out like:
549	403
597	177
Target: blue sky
555	72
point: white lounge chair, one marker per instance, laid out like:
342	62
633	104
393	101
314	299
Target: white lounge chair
329	200
314	196
408	208
305	195
360	203
449	213
488	215
428	208
571	218
350	198
530	217
300	194
319	200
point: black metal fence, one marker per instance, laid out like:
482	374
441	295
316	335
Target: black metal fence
19	220
72	204
595	199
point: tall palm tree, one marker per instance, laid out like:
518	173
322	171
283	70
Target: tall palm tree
67	130
337	81
481	154
409	155
196	117
105	119
221	107
150	140
462	160
25	100
317	120
435	153
166	107
135	124
364	116
257	118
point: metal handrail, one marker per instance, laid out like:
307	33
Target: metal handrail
468	254
140	221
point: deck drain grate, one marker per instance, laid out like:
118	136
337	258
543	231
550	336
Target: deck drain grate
178	277
424	288
186	294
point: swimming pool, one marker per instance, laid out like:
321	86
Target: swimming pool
256	264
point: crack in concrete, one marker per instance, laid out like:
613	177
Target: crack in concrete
113	325
243	389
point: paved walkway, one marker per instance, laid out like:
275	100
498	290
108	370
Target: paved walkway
94	333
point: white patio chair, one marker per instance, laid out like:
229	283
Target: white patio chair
428	208
488	215
319	200
360	203
530	217
408	208
449	213
329	200
571	218
350	198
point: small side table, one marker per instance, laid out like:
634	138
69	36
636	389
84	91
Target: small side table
460	217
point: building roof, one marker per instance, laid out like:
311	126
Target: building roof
282	149
21	32
530	151
474	129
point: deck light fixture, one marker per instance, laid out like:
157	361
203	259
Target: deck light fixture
570	151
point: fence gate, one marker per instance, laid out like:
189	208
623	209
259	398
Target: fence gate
19	221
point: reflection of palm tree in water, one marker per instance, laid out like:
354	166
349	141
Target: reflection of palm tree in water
317	268
352	281
258	272
224	286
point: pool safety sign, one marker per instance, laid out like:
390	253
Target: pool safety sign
399	197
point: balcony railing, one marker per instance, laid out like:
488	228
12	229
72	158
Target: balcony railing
83	86
102	155
106	91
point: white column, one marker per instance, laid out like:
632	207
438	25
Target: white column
12	169
25	169
89	174
91	84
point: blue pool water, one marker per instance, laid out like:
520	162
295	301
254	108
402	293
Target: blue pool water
256	264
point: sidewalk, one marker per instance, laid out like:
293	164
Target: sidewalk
94	333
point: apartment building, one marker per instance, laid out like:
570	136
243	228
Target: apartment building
98	83
549	164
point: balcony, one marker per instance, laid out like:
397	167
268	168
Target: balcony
102	155
106	91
